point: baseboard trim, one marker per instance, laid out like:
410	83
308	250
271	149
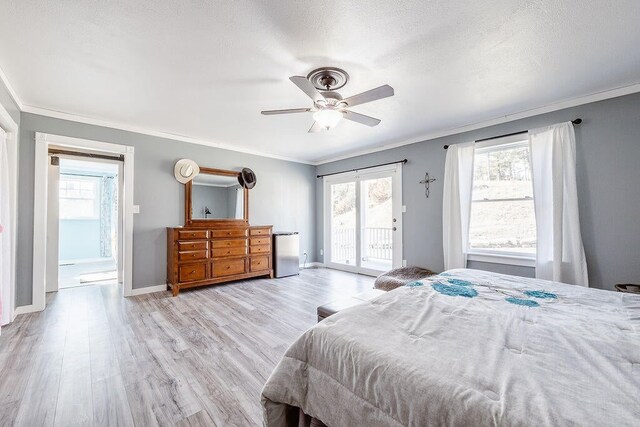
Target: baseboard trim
24	309
311	265
148	290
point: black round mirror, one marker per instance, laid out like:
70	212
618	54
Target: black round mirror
247	178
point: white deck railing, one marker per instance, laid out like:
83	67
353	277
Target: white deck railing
377	243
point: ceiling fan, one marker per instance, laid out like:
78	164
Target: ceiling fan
328	105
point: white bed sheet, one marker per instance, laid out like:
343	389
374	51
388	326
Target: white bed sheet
425	355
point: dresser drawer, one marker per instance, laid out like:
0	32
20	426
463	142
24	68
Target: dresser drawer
193	272
228	267
220	252
262	249
192	255
240	232
260	241
259	263
260	232
192	234
232	243
192	246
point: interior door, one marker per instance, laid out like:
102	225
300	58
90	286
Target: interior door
53	213
363	220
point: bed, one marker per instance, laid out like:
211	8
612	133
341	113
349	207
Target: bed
466	347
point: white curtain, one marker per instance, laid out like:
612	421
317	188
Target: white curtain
560	254
6	294
456	206
239	203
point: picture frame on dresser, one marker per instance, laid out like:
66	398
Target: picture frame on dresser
209	251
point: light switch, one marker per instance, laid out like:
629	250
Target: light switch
136	209
404	208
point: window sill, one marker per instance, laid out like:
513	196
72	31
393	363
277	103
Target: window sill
522	261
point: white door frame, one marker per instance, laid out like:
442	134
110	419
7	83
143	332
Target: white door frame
11	129
53	225
43	141
53	255
357	176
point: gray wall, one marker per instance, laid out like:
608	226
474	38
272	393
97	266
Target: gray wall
608	174
284	195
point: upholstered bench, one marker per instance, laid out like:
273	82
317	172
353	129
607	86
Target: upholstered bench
333	307
400	276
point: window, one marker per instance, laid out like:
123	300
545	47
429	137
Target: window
502	213
79	197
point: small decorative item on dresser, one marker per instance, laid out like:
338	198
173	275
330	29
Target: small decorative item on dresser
628	288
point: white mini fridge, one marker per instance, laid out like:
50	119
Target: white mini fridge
286	253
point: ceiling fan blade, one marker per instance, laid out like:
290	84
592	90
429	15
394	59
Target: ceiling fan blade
287	111
360	118
370	95
306	86
315	127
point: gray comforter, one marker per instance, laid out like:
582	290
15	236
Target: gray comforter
467	348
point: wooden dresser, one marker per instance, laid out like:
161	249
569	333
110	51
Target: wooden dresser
201	256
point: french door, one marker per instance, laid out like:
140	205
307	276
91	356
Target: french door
363	220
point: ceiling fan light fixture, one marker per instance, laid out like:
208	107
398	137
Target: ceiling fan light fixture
328	118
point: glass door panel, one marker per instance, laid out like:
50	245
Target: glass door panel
343	223
363	220
376	221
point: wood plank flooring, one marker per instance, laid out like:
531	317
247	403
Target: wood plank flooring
201	359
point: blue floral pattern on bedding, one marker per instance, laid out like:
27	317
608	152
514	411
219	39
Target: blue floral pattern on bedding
522	301
455	290
541	294
414	284
460	282
447	284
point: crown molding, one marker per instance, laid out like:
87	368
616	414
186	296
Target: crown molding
12	92
573	102
167	135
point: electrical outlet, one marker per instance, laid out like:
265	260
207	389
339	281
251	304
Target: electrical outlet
321	251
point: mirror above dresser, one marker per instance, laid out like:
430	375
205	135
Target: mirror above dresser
216	244
215	195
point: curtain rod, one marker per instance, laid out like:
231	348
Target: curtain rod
575	122
359	169
87	174
55	151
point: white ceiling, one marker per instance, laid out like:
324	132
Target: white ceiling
205	69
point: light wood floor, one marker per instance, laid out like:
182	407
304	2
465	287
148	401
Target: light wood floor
95	358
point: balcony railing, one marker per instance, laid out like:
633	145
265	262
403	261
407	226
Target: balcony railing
377	244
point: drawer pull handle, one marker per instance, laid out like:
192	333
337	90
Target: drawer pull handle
193	272
228	267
